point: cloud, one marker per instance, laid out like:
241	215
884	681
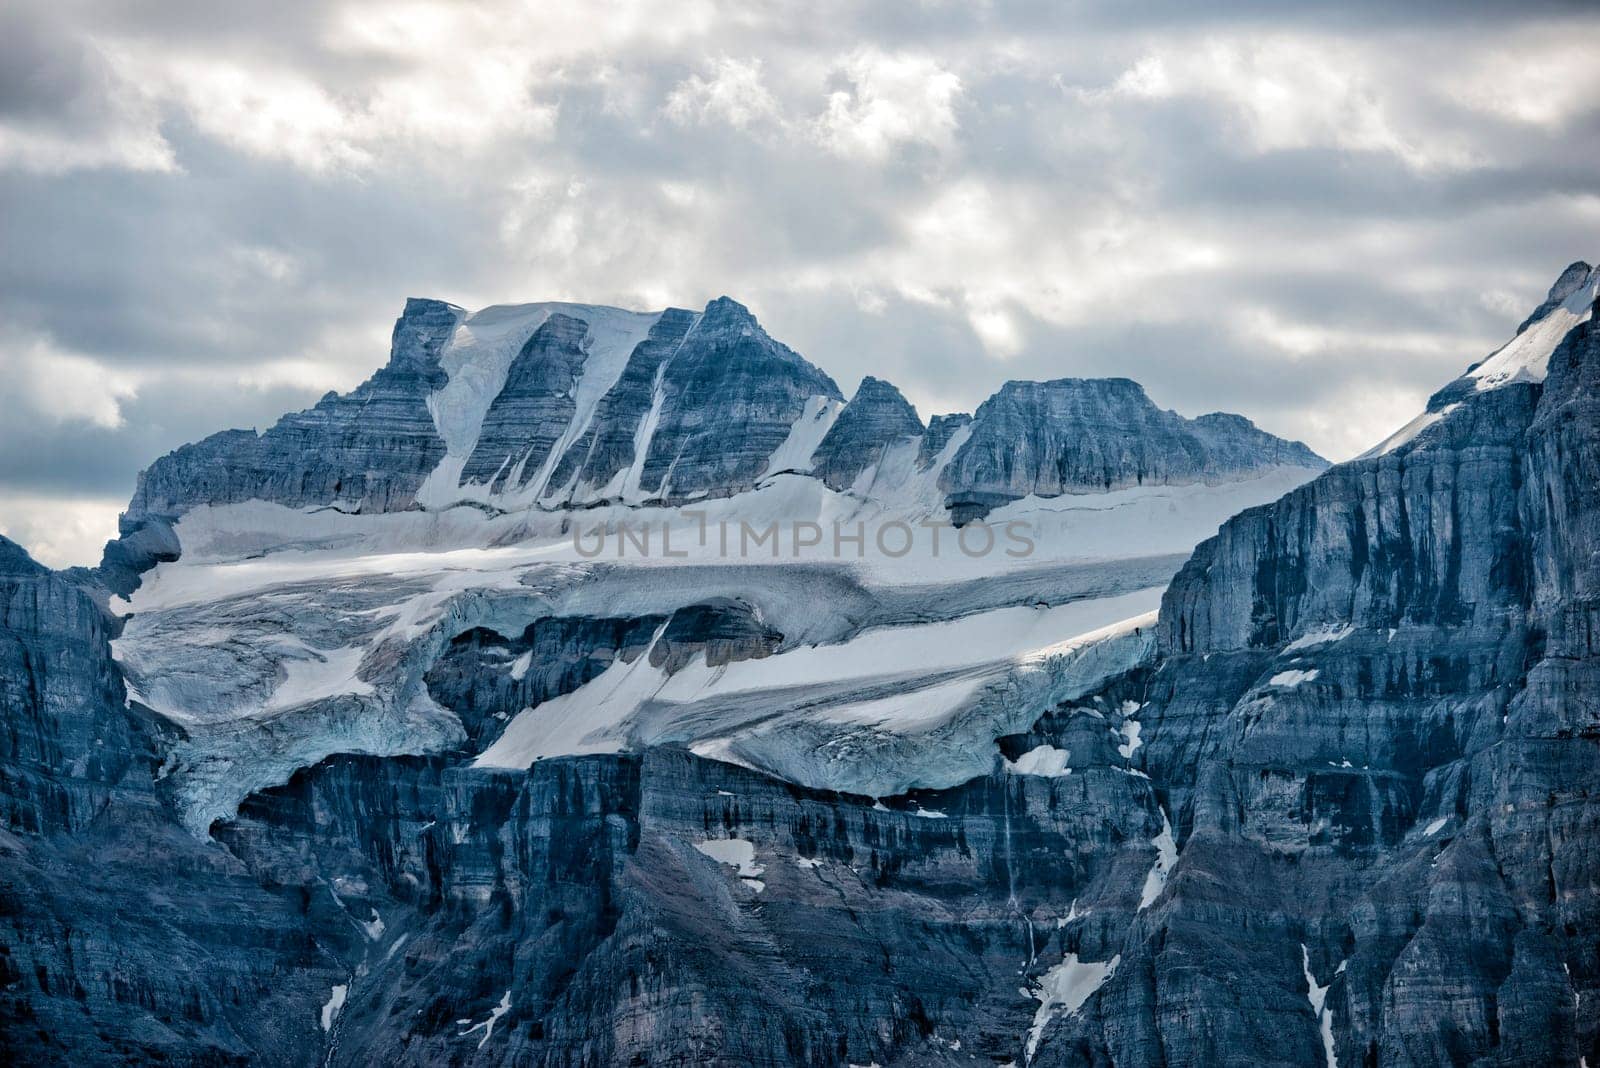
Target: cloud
60	531
67	102
1286	92
733	93
892	100
61	386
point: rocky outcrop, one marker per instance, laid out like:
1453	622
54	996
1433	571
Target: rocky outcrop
1081	435
611	446
614	910
701	407
486	678
941	428
876	417
1572	279
368	450
725	402
720	631
62	753
526	418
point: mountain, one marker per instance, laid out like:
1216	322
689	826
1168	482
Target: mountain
1236	760
547	421
549	406
1077	435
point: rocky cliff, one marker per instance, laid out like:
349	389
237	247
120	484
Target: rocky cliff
368	450
1078	435
876	417
123	938
1375	728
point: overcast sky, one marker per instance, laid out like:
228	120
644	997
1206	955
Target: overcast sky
210	213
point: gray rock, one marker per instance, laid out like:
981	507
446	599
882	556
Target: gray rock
1374	725
1571	279
61	754
1081	435
365	451
941	428
608	446
728	398
722	630
123	939
486	678
876	417
526	418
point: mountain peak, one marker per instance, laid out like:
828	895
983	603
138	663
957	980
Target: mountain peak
1571	280
725	311
877	417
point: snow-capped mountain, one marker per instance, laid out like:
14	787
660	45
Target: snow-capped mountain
470	483
559	406
357	715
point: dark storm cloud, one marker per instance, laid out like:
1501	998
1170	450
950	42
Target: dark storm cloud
210	214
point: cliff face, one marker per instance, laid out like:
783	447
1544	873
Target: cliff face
368	450
726	402
63	747
1076	435
1375	726
615	910
123	939
876	417
525	420
566	405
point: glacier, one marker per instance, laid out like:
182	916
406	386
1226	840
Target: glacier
276	631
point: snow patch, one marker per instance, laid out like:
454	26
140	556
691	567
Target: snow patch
1526	357
520	666
1408	432
1045	761
1435	827
804	436
738	853
1322	636
1130	738
1064	989
330	1010
1166	857
318	675
1318	996
1292	678
487	1026
576	723
478	359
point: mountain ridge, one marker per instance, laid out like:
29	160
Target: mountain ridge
687	405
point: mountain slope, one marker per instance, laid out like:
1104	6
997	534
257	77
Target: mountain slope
1374	724
1332	802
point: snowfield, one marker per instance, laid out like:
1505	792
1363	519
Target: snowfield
282	636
